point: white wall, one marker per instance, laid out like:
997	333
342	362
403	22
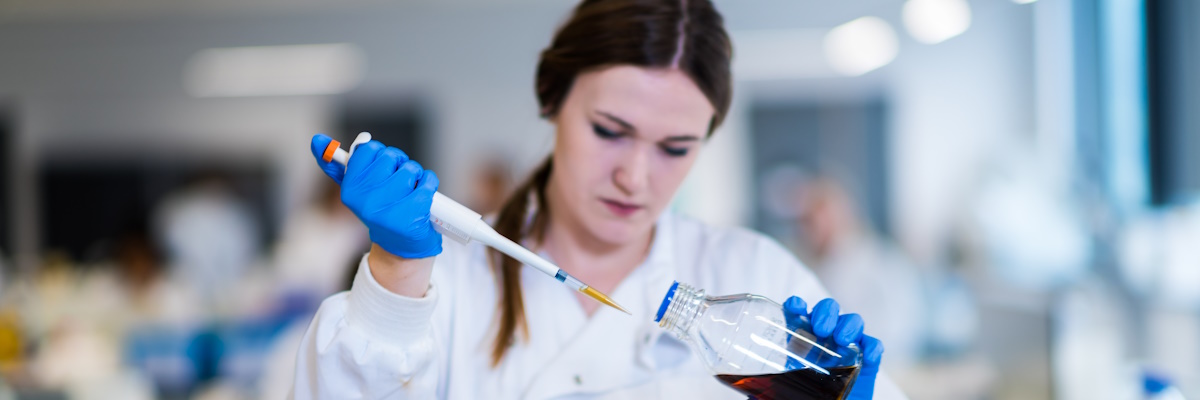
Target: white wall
953	103
116	88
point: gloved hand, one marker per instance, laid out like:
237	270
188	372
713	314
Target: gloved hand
826	320
390	193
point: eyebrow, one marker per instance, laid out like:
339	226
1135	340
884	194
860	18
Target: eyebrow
628	126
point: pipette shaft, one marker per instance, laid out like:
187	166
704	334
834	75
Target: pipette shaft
460	223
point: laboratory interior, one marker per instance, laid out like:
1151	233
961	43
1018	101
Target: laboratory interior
1006	190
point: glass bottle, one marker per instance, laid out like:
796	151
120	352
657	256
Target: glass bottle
748	344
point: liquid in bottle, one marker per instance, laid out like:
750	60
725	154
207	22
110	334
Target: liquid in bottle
748	344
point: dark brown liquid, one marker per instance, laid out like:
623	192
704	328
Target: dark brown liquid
802	384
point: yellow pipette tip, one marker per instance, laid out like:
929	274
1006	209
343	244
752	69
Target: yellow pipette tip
601	297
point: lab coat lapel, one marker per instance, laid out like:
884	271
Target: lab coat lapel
599	359
613	350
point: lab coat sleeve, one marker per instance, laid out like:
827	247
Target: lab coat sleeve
369	343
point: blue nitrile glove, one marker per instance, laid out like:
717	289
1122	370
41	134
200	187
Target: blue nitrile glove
846	329
390	193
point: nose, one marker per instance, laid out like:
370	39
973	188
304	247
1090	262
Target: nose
633	173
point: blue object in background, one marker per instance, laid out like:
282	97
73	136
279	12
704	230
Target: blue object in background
162	353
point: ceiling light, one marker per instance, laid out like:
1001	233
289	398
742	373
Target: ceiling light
934	21
861	46
274	70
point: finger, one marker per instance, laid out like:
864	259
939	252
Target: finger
362	166
824	317
427	184
335	171
872	350
849	329
332	169
409	173
793	309
362	157
403	156
384	166
395	156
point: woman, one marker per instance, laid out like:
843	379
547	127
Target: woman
634	88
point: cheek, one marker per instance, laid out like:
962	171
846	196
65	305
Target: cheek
586	159
668	174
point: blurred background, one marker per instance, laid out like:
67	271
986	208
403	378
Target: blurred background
1005	189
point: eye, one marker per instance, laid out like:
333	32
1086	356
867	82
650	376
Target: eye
604	133
674	151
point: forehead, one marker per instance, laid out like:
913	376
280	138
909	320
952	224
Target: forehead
656	101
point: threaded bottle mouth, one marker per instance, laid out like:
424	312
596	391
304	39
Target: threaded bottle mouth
682	306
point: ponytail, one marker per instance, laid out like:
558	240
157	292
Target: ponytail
511	224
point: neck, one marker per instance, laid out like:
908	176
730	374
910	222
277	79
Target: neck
579	252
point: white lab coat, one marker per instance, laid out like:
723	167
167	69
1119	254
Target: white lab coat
371	343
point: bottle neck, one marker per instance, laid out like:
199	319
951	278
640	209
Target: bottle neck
683	311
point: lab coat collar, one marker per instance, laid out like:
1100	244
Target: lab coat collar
663	242
661	270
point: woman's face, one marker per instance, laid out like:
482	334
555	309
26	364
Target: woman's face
626	138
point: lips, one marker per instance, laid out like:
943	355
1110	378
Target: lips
621	209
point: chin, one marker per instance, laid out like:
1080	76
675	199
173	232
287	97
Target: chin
620	231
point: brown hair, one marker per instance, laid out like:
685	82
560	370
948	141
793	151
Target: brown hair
688	35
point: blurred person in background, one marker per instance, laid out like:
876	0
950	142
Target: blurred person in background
322	234
633	88
211	241
926	316
490	183
211	238
150	295
867	274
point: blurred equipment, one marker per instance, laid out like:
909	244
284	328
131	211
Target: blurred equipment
848	140
11	342
1030	233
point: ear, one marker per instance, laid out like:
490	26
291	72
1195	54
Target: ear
549	113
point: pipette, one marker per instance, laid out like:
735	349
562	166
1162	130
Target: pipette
463	225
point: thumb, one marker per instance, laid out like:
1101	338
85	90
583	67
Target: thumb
332	169
872	351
